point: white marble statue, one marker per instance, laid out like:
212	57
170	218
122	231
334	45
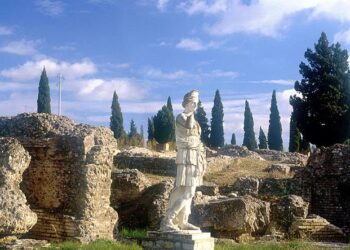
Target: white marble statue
191	164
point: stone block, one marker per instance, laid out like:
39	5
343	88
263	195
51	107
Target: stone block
184	240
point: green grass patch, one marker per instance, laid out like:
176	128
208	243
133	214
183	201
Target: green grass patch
133	233
94	245
291	245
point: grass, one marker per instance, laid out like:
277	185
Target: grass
134	233
291	245
95	245
239	168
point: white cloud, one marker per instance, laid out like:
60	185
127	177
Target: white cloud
220	73
195	44
161	4
50	7
4	31
277	81
64	48
21	47
342	37
32	69
264	17
157	73
100	89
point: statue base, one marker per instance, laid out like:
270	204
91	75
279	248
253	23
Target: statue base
178	240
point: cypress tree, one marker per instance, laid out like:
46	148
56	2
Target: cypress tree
150	129
233	139
44	100
322	109
217	122
133	129
170	107
294	135
163	126
116	122
262	139
275	128
202	119
249	136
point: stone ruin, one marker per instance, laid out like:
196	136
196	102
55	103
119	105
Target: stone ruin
16	218
325	183
67	183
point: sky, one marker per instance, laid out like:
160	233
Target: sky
147	50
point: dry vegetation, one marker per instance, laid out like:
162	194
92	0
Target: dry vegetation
238	168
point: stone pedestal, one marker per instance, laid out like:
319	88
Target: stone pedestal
184	240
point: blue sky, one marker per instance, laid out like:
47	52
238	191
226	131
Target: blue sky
148	50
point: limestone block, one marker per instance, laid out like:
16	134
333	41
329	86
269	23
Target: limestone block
16	218
246	185
280	169
182	240
232	217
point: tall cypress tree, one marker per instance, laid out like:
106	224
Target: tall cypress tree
262	139
116	123
233	139
275	128
249	136
133	129
202	119
163	125
150	129
170	107
217	122
322	108
294	135
44	100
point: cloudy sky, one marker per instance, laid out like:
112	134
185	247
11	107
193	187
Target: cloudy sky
148	50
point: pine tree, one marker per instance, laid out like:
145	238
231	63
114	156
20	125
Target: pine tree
322	110
116	123
217	122
150	129
275	128
233	139
262	139
202	119
163	125
170	107
249	136
294	135
133	129
44	100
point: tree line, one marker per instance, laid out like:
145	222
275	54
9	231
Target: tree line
321	109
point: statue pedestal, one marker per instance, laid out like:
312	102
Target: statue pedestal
183	240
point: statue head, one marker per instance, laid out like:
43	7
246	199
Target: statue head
190	100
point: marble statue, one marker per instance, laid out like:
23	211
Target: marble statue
191	164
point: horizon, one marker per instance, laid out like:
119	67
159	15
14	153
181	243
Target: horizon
149	50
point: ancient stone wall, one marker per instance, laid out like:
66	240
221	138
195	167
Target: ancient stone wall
69	178
325	183
16	218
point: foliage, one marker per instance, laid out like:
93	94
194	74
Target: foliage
150	129
275	128
133	129
163	125
322	107
304	146
116	123
217	120
134	233
294	135
94	245
233	139
201	117
170	107
44	100
262	139
249	136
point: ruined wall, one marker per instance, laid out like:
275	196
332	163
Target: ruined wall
68	181
325	183
16	218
